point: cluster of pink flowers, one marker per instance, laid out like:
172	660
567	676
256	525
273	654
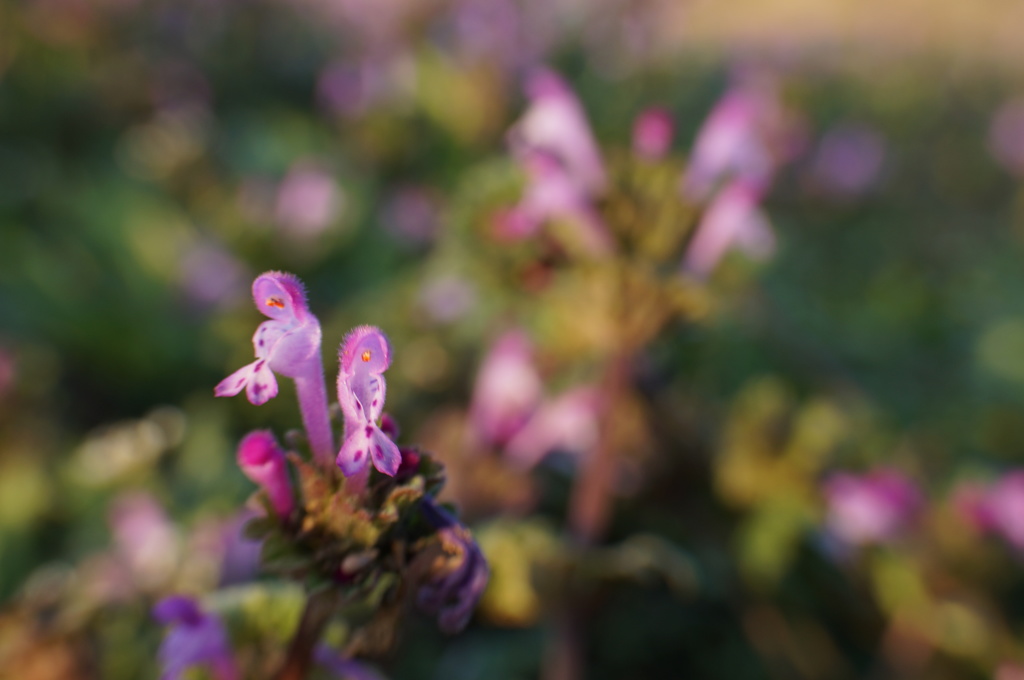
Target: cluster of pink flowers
734	158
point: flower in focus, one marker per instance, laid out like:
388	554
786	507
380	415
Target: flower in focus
263	462
289	343
652	133
871	508
365	355
733	219
507	389
195	638
556	123
457	577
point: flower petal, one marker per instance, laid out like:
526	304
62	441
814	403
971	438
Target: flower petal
234	383
262	385
385	454
354	453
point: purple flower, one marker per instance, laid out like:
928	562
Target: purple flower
871	508
652	133
456	582
289	344
849	159
365	355
195	638
732	142
344	667
263	462
569	422
556	123
732	220
507	389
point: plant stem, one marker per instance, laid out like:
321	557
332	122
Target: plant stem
312	394
315	616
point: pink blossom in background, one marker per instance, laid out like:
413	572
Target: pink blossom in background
652	133
411	215
145	539
552	194
1006	136
998	508
308	200
194	638
507	390
447	298
569	422
733	142
875	507
849	160
554	122
211	275
733	220
355	87
7	371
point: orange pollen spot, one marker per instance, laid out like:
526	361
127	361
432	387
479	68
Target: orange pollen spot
275	302
366	355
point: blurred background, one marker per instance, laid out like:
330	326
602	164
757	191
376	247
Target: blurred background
155	156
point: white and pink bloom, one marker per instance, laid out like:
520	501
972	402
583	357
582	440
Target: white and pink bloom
569	422
996	508
289	344
263	462
365	355
875	507
733	220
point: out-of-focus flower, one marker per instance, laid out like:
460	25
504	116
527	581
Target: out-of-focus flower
195	638
344	667
997	508
652	133
308	200
556	123
365	355
289	344
1006	136
354	88
733	141
870	508
733	220
848	160
211	275
411	216
7	371
146	541
507	389
569	422
263	462
552	194
447	298
458	576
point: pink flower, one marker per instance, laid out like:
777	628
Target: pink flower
733	142
289	344
365	355
733	220
652	133
556	123
870	508
1006	136
997	508
849	159
507	389
195	638
308	200
263	462
569	422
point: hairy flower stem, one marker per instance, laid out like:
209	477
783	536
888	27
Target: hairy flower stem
315	616
312	393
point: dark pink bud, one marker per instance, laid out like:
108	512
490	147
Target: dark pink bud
263	462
